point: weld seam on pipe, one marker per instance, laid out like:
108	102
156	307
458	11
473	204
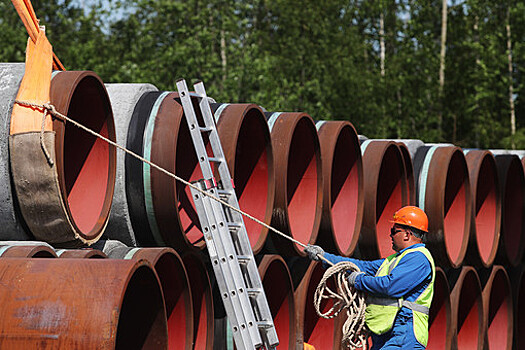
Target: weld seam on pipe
129	255
273	118
364	145
319	124
219	111
423	176
148	198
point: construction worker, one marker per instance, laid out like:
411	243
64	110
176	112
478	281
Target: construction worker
399	287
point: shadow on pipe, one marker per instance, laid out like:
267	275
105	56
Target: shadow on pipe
343	197
298	181
385	188
443	191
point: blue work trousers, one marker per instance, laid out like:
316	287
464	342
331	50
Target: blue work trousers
401	336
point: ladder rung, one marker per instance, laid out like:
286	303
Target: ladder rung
244	259
216	160
224	193
253	292
205	129
264	324
235	225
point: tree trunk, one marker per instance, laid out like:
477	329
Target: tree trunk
511	87
442	54
382	42
223	58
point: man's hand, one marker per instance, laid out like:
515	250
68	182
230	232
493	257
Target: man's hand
313	252
352	277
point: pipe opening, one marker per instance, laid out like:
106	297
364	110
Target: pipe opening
498	312
302	181
455	206
520	313
439	317
88	163
176	297
468	322
276	281
486	209
344	189
142	320
251	172
390	196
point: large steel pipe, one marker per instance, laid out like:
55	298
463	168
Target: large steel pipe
279	291
86	165
85	253
409	171
343	196
27	251
385	192
518	293
203	309
175	288
116	304
247	146
512	187
486	200
467	311
440	322
498	314
298	181
320	332
124	98
443	192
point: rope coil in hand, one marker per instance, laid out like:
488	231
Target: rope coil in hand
344	297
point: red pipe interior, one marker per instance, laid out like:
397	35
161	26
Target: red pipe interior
498	317
486	209
437	334
318	331
513	210
276	282
302	181
175	289
389	197
455	206
344	189
468	313
86	158
251	171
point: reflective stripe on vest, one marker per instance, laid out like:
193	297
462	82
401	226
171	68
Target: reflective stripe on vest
381	312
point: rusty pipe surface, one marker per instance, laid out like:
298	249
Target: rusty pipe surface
486	200
409	171
467	311
85	253
439	322
81	304
343	197
385	188
518	295
320	332
278	287
175	289
298	181
498	310
512	187
203	308
27	251
86	165
247	146
443	192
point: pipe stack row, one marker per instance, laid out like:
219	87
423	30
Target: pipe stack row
318	182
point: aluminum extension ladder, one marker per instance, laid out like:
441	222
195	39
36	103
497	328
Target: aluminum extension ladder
225	234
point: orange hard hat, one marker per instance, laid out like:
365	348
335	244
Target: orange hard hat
413	217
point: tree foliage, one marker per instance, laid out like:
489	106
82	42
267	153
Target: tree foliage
323	58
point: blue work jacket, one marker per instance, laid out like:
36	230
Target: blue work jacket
408	280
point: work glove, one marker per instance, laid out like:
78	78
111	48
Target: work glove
313	251
352	277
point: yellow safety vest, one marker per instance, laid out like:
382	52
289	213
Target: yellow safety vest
381	312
